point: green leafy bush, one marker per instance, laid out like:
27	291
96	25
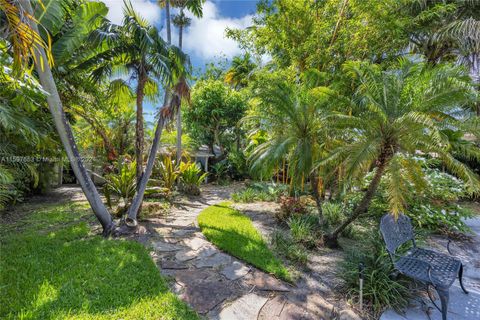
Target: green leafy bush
381	289
290	206
191	177
334	215
302	229
433	208
259	192
167	171
122	183
284	245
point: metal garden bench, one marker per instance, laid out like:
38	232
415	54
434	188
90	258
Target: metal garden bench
429	267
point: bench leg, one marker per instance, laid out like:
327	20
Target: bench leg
444	296
460	278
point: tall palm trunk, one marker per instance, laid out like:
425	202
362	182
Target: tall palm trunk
331	240
179	111
65	133
142	79
134	208
169	25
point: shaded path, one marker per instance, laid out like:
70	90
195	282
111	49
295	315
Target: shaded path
216	284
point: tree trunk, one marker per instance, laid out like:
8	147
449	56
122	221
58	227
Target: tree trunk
331	240
169	26
314	185
65	133
142	185
142	79
179	111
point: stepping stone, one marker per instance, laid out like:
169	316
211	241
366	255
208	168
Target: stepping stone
263	281
273	308
196	243
244	308
216	260
169	264
165	247
185	255
293	311
188	277
235	271
205	295
207	251
183	232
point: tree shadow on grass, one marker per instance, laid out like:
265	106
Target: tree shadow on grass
64	274
234	233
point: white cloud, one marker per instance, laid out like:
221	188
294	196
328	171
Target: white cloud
148	9
206	36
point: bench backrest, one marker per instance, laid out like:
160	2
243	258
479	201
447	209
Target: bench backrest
396	232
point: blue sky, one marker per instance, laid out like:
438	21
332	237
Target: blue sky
204	41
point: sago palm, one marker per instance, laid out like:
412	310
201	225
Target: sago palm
294	120
399	113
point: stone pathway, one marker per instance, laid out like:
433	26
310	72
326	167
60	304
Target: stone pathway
217	285
461	306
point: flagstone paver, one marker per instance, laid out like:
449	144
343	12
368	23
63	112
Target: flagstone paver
235	271
216	284
244	308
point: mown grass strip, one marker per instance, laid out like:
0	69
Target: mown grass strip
234	233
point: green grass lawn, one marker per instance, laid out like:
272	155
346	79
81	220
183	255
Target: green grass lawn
234	233
51	267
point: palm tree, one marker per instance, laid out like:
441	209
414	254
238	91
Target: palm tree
177	65
181	21
400	113
240	71
25	38
139	52
295	122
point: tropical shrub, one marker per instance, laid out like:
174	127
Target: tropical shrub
247	195
288	207
284	245
333	215
167	171
122	184
434	208
259	191
191	177
381	289
303	229
220	170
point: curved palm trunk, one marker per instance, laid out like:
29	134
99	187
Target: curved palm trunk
142	185
331	240
66	136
